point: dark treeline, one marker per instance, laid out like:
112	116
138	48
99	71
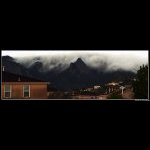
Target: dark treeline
140	84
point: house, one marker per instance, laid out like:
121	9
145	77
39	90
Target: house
97	87
20	87
89	89
112	86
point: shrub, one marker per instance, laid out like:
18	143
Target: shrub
115	96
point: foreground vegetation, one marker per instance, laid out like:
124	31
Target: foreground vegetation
140	84
115	95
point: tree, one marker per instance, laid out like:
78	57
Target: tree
140	84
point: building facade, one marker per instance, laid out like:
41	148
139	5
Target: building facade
111	87
18	87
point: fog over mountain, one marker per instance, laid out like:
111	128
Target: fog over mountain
106	60
75	70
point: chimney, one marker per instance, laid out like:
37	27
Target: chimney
19	79
3	68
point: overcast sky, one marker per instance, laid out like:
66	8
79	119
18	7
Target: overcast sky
140	54
115	59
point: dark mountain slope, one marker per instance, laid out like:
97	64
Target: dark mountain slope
10	65
77	75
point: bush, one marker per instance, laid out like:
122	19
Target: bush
60	95
115	96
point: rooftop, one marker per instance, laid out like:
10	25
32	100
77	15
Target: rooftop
112	84
10	77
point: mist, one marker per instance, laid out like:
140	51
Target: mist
108	60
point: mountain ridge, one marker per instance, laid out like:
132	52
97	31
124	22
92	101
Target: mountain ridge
77	75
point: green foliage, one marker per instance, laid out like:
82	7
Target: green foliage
87	92
140	86
60	95
115	95
94	92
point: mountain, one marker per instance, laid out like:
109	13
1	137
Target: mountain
12	66
78	67
77	75
36	69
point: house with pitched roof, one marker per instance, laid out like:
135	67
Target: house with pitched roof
15	86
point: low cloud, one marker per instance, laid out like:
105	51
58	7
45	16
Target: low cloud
112	60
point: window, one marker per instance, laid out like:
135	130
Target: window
26	91
7	91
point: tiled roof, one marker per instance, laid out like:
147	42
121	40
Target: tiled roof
10	77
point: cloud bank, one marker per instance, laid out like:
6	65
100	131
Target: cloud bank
112	60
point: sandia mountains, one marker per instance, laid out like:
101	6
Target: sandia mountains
76	75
